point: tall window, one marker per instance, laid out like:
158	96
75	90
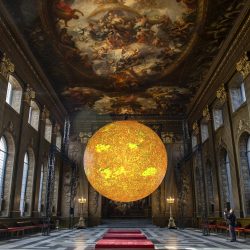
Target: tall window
204	132
34	114
24	183
238	96
194	142
14	94
48	130
218	118
9	93
59	141
3	161
40	189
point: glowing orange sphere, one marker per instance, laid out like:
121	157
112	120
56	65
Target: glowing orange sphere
125	161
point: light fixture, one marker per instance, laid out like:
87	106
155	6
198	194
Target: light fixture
125	161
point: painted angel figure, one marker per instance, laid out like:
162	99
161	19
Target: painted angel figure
63	11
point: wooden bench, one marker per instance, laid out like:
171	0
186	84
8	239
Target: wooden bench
3	232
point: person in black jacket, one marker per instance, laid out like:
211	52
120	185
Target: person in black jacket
232	223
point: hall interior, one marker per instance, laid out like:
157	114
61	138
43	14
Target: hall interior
68	68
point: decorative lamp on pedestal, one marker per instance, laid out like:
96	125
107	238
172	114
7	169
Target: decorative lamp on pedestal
171	223
81	223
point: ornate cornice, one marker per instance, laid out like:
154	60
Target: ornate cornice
6	66
221	94
19	45
243	65
226	58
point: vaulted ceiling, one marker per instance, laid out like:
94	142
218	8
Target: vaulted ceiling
125	56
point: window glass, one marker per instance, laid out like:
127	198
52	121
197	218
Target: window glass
204	132
3	159
218	118
24	183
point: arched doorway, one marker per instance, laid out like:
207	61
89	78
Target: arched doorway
137	209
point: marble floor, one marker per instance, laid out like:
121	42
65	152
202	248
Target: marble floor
84	239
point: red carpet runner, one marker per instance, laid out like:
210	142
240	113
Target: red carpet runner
124	240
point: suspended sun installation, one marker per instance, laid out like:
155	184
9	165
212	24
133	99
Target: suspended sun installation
125	161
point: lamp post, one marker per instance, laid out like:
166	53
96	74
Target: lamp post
81	223
171	223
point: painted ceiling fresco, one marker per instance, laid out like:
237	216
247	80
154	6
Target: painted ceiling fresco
125	56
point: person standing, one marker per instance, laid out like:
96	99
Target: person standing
232	223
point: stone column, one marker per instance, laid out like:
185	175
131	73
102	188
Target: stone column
21	148
40	162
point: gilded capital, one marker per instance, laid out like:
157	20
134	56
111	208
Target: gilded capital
221	94
56	129
243	65
195	128
29	94
167	137
84	137
206	114
6	66
45	113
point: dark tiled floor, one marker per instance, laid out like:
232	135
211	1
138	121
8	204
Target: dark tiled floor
162	238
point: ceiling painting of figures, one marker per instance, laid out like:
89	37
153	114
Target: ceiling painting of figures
125	56
125	42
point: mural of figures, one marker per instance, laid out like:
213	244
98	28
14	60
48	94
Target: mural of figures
125	41
126	56
154	99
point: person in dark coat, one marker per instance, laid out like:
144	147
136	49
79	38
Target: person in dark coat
232	223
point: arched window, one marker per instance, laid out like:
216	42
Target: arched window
27	183
14	94
3	162
226	180
40	189
34	114
24	183
244	148
48	130
7	155
59	141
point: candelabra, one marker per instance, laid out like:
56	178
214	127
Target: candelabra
171	223
81	223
